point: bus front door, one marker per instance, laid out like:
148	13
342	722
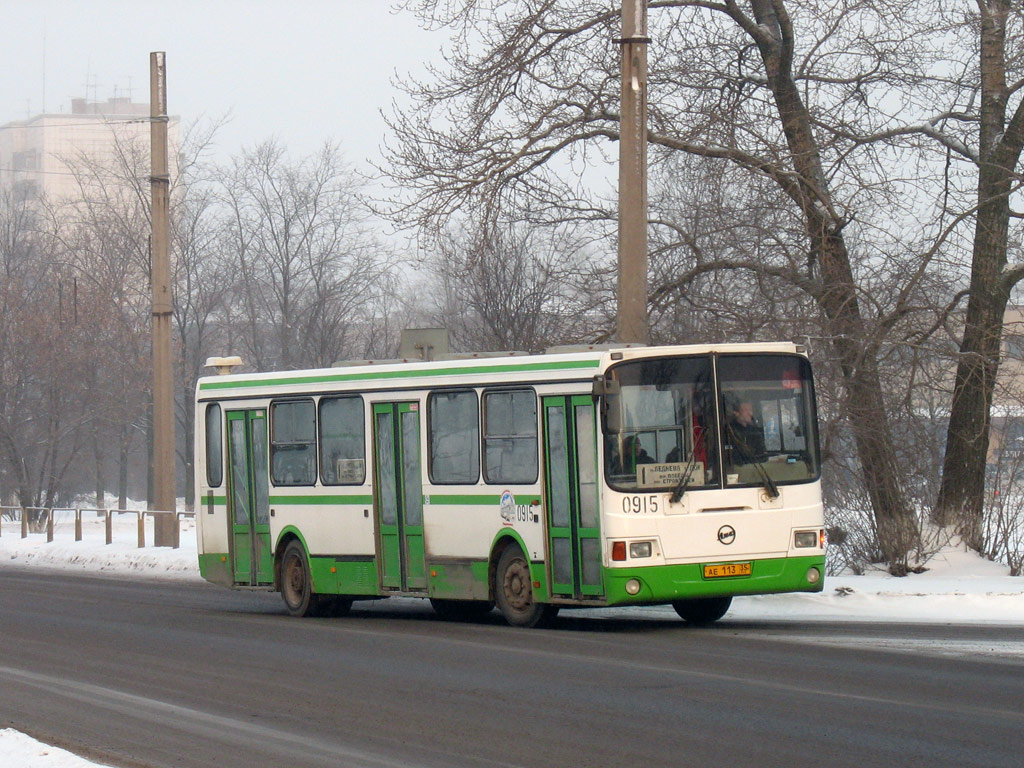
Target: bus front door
570	464
398	496
248	498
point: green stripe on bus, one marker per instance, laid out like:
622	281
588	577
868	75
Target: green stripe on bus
444	499
462	499
354	499
402	374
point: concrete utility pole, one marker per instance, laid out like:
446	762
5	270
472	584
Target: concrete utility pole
165	527
632	317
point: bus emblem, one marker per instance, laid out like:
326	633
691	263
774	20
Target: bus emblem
727	534
508	507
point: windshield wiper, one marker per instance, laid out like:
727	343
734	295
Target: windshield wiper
684	481
739	445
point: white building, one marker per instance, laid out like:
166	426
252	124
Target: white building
35	153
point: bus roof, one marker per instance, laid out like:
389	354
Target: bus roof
565	366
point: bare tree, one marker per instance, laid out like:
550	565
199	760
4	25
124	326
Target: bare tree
987	130
307	261
529	92
42	357
502	285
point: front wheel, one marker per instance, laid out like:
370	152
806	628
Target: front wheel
702	610
296	583
513	592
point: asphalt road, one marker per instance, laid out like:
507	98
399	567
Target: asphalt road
135	673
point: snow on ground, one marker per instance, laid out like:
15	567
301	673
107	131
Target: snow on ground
21	751
958	588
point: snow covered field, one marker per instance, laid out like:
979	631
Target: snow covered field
958	588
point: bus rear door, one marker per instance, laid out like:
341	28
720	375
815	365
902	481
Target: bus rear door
398	496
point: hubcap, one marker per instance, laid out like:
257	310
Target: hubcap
517	586
295	580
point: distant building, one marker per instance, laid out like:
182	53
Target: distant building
33	152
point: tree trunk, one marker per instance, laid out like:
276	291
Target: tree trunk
122	471
853	345
99	458
962	492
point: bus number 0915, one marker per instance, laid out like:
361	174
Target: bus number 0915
640	505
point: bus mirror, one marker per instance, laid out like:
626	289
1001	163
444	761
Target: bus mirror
608	391
604	387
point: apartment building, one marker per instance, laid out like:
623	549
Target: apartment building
35	153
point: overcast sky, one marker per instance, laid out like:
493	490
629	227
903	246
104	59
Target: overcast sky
301	70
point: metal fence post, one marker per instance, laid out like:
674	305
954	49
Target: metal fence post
24	523
142	530
49	526
107	524
78	525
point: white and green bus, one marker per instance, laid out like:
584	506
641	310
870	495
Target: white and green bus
680	475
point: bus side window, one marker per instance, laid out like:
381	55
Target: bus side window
293	442
454	437
342	441
510	436
214	446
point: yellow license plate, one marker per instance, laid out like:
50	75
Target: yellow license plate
726	569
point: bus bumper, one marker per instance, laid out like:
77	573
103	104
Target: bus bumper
665	583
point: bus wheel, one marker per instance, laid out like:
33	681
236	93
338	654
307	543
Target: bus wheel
296	584
460	610
513	592
702	610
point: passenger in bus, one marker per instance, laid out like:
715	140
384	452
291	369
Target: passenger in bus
634	453
744	434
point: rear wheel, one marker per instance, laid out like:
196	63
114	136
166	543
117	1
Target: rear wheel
460	610
513	592
702	610
296	584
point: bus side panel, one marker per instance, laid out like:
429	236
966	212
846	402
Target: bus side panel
460	523
338	533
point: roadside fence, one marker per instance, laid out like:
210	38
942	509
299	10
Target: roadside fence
42	518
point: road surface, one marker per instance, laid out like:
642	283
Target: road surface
146	673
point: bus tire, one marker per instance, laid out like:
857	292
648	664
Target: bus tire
702	610
513	592
296	583
460	610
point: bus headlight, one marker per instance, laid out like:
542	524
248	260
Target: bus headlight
813	574
639	549
633	587
805	539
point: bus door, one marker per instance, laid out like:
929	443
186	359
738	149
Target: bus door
248	500
570	464
398	496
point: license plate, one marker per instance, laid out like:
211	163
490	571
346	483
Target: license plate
726	569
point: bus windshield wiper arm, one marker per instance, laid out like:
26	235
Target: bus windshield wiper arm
773	489
684	481
741	446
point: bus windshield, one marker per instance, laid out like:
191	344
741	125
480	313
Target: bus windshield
768	421
657	426
667	427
